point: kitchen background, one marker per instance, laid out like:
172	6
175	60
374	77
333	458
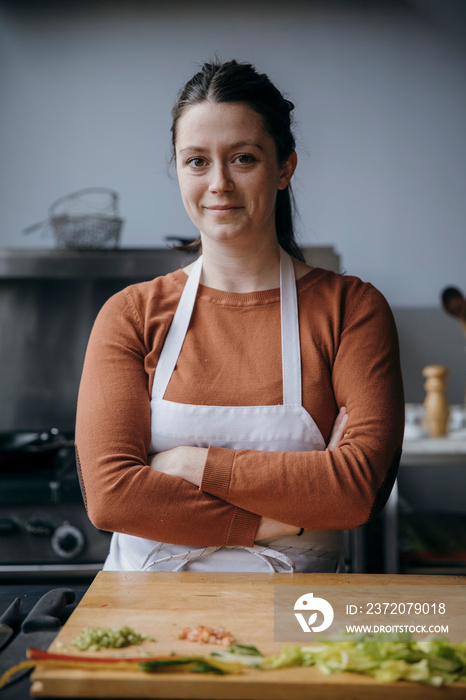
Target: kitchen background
86	90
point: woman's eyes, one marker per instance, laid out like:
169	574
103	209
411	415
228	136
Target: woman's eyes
196	162
245	158
242	159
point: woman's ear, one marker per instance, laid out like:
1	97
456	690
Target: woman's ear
287	170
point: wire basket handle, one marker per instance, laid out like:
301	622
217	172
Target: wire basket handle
108	202
106	206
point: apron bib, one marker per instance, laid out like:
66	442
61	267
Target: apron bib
285	427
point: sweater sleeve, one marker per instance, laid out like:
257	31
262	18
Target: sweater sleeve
346	487
121	492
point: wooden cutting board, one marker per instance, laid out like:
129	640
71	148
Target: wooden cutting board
161	604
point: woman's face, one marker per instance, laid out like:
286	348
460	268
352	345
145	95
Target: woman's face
228	171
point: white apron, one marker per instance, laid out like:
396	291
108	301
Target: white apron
284	427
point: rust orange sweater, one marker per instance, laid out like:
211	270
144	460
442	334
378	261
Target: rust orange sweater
232	356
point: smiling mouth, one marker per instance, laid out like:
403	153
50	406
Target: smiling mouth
223	207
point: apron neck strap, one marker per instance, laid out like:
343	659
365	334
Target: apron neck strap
291	351
176	333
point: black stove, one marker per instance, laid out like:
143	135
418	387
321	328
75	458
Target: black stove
44	527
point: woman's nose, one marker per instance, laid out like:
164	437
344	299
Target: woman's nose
221	179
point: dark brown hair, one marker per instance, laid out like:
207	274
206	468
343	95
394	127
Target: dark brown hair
240	82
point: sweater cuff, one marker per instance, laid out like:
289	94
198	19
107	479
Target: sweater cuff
243	528
217	471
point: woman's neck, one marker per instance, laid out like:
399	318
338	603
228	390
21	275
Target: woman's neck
245	269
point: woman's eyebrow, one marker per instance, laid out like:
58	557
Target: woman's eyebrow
198	149
240	144
233	146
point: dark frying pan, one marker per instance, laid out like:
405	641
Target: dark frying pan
454	303
28	450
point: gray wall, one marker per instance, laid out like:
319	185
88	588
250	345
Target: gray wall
86	90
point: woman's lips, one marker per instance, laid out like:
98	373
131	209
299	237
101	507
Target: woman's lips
222	209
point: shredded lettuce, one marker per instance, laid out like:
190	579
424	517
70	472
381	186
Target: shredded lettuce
436	662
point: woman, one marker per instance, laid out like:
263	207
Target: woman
209	395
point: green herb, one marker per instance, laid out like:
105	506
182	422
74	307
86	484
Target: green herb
152	666
244	650
436	662
96	638
206	667
195	664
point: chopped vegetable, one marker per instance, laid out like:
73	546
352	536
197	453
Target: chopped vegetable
240	653
40	655
435	662
97	638
148	664
198	664
62	662
194	664
207	635
206	667
244	650
250	661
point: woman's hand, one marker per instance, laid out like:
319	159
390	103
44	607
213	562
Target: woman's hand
338	430
184	462
273	528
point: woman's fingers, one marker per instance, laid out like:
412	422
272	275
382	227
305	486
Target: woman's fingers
338	429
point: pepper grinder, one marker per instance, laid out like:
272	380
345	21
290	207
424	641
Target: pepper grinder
437	410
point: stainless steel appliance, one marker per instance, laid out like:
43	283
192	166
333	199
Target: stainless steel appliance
44	527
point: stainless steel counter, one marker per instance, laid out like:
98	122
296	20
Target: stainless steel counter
142	264
120	263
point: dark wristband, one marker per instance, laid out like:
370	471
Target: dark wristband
300	532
